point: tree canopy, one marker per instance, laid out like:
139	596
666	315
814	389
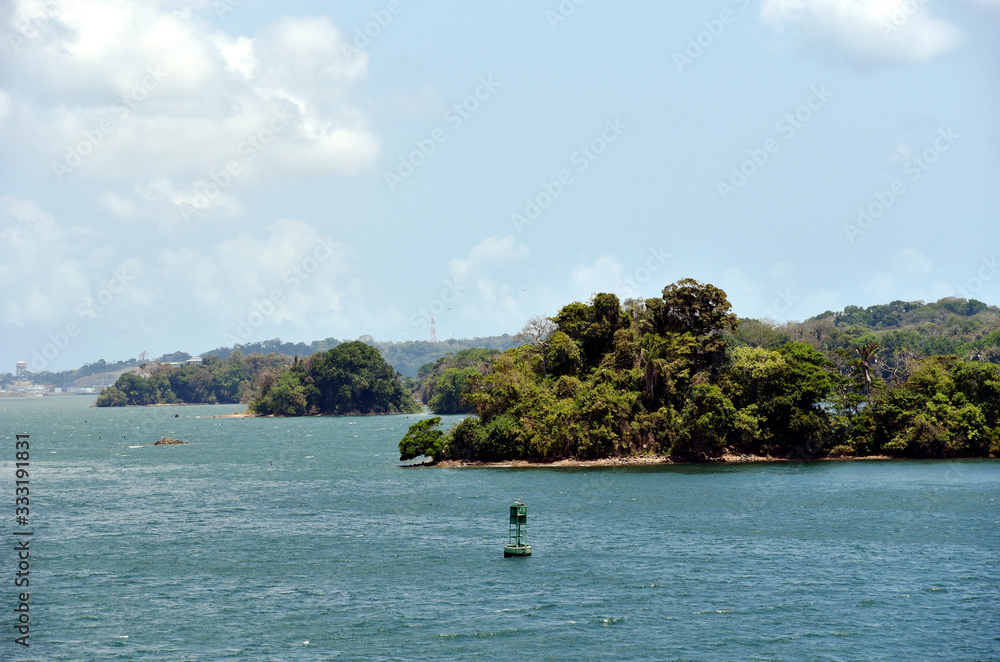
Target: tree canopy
351	378
214	381
676	375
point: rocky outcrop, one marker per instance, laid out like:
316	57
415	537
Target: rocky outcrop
165	441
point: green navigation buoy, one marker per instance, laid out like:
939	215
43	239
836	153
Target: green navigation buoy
517	544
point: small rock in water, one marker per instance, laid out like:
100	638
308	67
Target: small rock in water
167	440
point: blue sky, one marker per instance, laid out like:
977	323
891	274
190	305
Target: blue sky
185	175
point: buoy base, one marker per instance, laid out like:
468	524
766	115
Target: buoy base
516	550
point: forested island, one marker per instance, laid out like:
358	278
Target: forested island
213	381
407	357
679	376
351	378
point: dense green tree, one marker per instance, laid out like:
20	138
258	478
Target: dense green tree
423	439
112	397
213	381
449	390
761	333
675	376
701	310
441	384
351	378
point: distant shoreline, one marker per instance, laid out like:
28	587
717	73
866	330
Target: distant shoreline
656	460
173	404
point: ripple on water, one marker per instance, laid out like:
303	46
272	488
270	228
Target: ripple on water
265	535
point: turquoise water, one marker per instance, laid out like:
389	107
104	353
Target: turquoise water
303	539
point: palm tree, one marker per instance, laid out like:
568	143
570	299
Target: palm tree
649	356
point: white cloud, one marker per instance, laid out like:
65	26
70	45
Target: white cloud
294	274
605	275
165	203
488	253
137	91
42	264
53	275
864	32
481	289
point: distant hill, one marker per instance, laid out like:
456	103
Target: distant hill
275	346
405	357
408	357
98	373
968	328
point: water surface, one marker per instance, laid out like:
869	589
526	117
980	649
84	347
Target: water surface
304	539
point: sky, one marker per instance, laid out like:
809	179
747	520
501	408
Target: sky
189	175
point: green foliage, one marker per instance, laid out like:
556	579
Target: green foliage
351	378
913	328
706	420
212	382
467	438
285	397
423	439
442	383
948	408
563	355
610	380
585	333
406	357
759	333
842	450
112	397
678	376
448	392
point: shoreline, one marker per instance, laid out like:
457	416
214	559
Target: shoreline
654	461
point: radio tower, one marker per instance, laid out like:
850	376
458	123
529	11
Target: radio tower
434	335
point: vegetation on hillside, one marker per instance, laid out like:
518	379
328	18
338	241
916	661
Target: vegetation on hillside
906	329
214	381
440	385
677	375
406	357
351	378
276	346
